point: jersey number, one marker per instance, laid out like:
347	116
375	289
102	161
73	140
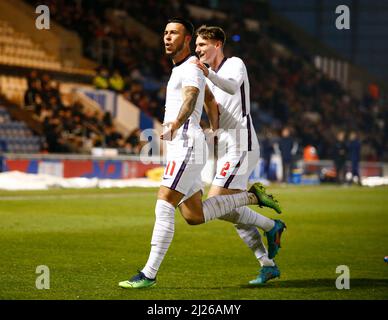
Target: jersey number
225	168
172	163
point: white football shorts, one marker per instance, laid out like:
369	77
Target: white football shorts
184	165
234	168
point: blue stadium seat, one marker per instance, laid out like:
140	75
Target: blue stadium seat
16	137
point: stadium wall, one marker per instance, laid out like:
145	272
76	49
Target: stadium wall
78	166
130	167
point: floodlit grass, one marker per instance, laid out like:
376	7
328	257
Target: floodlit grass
92	239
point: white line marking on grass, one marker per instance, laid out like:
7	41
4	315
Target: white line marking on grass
74	196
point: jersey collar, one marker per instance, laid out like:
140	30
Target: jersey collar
180	62
221	64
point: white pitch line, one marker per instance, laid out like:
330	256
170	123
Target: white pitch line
74	196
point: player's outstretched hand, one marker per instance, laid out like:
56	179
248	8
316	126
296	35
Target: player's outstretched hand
169	130
200	65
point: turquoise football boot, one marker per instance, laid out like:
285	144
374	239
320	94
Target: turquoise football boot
273	238
266	274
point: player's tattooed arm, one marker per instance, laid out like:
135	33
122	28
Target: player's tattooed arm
190	96
211	109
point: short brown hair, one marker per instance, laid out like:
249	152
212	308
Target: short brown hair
186	23
211	33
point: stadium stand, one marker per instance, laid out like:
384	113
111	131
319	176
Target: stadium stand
286	87
16	137
17	49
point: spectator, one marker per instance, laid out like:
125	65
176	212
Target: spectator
55	104
68	128
45	80
310	154
54	90
47	93
116	82
38	105
101	80
132	143
68	122
339	156
32	77
288	148
53	132
266	147
46	113
354	148
113	139
32	91
107	119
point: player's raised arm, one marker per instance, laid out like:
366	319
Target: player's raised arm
211	109
231	84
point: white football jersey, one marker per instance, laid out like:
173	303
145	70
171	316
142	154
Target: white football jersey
234	106
184	74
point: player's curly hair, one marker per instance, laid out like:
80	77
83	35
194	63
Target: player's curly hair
211	33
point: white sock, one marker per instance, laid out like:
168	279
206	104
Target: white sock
161	237
266	262
245	215
218	206
252	238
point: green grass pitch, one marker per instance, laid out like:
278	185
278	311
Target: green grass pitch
92	239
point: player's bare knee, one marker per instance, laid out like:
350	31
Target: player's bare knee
190	221
192	218
193	221
169	196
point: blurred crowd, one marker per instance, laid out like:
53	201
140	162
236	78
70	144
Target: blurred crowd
286	89
69	127
149	102
345	151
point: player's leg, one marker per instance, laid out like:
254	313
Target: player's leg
213	208
163	231
245	219
179	179
232	174
248	232
250	235
192	209
175	184
162	236
252	238
242	215
195	211
218	206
